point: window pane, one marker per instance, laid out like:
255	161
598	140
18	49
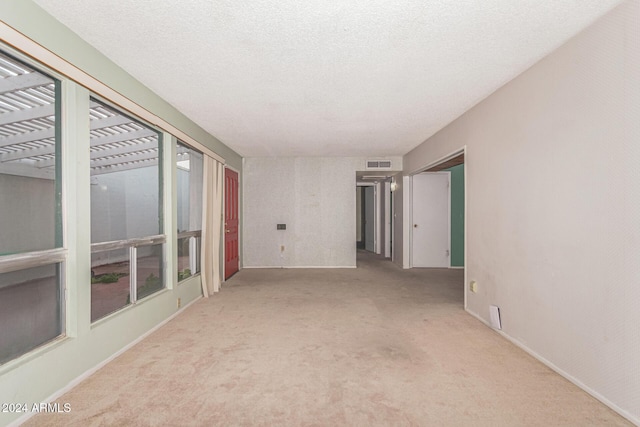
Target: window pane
29	160
189	182
109	282
30	309
184	264
149	273
126	203
125	177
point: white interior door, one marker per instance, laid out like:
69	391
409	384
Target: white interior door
387	220
369	218
430	216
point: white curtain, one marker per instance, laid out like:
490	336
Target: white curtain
211	225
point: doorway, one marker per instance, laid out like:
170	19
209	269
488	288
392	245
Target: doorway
366	217
369	223
431	220
454	165
231	237
455	225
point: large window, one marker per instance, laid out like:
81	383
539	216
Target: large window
127	250
189	177
31	246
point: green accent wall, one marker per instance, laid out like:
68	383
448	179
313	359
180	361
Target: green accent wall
457	215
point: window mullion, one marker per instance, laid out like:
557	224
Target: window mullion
133	274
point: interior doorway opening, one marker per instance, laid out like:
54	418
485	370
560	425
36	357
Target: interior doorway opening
366	237
374	214
435	230
428	212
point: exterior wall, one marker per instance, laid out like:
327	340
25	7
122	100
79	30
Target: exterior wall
117	210
553	193
26	224
398	250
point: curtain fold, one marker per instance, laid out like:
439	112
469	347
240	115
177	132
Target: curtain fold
211	225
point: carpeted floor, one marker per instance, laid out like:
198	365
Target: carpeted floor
351	347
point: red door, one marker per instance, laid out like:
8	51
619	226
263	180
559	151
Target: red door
231	256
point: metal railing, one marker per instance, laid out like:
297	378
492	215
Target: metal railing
132	245
128	243
194	248
14	262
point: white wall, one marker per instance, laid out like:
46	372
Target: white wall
27	214
397	253
386	227
553	193
125	204
315	197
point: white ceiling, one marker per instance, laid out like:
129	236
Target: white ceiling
325	77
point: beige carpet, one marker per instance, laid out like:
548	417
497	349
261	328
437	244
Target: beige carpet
353	347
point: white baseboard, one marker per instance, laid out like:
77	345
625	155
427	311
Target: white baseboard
301	266
100	365
456	268
634	419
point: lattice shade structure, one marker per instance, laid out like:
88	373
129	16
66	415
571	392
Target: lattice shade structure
27	128
27	119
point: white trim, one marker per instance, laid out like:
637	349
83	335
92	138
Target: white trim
387	219
440	160
80	378
19	41
407	184
466	221
376	214
561	372
299	266
375	219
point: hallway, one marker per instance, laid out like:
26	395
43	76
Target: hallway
375	345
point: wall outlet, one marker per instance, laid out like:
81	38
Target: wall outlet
179	302
473	286
494	316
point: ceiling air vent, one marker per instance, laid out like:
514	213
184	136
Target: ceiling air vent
378	164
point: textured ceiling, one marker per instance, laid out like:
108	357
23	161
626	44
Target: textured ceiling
325	77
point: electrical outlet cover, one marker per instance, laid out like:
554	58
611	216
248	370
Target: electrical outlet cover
494	314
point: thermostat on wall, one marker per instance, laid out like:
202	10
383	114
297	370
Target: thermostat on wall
282	226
